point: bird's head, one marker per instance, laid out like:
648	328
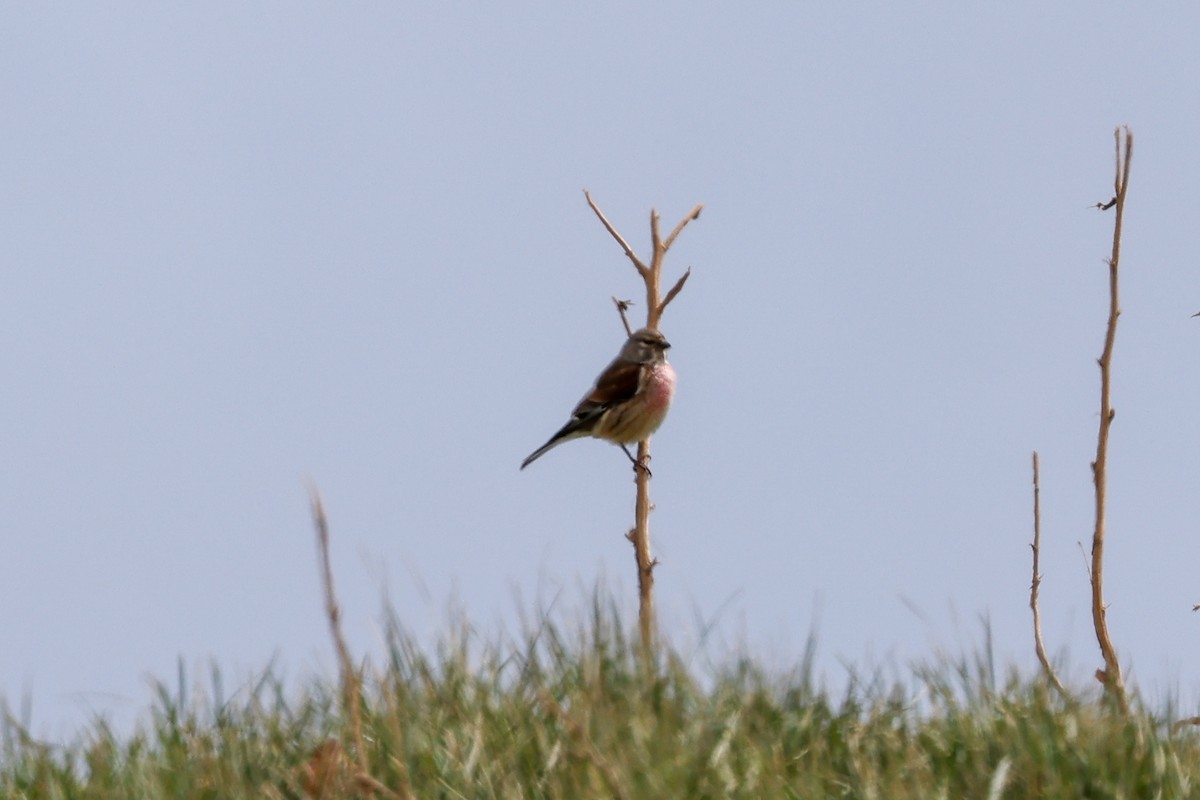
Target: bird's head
646	346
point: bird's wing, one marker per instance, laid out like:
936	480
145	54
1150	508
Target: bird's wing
615	385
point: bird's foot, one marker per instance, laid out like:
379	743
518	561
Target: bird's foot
638	465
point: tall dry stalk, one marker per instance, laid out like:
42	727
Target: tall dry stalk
329	758
1110	675
651	276
1038	645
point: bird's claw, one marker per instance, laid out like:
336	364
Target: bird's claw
638	465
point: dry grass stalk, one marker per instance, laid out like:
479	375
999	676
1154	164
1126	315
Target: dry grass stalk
328	760
651	276
326	772
581	745
1038	644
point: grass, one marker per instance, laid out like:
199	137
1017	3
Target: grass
577	713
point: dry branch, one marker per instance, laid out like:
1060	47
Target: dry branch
1038	644
674	291
637	262
693	214
1110	675
651	276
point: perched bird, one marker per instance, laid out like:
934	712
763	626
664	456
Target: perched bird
628	401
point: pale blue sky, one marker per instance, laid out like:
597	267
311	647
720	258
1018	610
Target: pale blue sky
245	245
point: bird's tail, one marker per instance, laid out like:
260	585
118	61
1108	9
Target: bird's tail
569	431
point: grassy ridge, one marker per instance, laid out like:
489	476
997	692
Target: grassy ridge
576	714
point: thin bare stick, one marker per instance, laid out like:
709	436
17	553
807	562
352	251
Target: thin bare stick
350	686
639	535
1111	677
1038	644
637	262
653	277
622	307
351	694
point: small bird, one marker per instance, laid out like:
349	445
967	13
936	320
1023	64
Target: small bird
629	400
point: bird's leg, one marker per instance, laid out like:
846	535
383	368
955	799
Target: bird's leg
637	464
